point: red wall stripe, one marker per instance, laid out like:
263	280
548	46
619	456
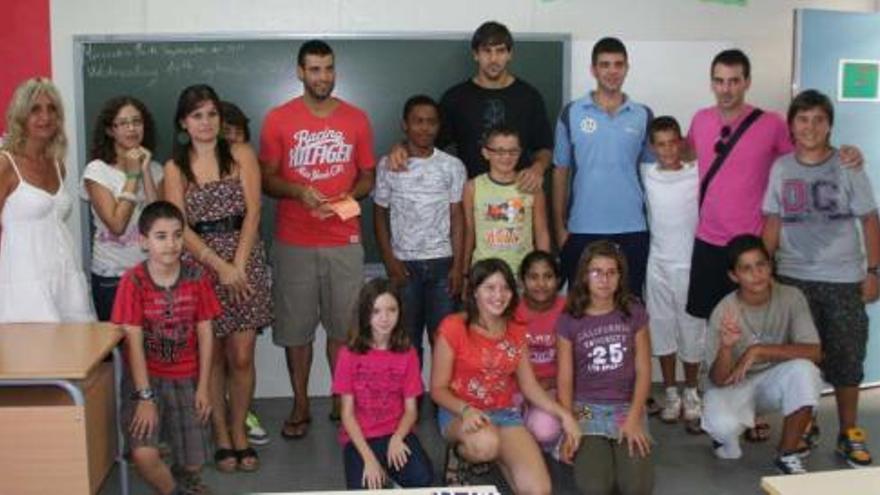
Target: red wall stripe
25	46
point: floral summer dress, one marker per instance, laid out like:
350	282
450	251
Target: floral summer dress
215	201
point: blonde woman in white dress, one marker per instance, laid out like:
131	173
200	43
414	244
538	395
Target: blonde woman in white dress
41	279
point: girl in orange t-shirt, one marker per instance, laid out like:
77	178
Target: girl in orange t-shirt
480	359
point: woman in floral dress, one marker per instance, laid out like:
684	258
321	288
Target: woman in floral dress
217	185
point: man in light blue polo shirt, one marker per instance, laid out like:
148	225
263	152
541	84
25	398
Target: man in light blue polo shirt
600	141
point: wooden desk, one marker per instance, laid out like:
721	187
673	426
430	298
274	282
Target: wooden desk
59	408
861	481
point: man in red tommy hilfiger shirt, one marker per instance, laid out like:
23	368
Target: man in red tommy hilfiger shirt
316	151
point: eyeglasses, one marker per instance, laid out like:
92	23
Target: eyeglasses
128	123
504	152
600	273
721	144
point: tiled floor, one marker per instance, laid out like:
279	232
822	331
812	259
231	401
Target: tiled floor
684	462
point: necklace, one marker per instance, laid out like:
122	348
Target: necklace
745	311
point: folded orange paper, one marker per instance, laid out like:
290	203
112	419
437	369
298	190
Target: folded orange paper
346	208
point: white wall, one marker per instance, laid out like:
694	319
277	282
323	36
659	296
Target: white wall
763	29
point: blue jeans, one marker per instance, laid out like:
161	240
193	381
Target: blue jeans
426	299
603	420
417	472
510	416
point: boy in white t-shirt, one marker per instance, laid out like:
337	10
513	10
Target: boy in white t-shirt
671	190
419	223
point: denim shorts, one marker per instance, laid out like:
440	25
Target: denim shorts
603	420
510	416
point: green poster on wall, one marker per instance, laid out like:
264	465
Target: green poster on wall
858	80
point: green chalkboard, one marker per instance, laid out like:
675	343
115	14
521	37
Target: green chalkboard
376	73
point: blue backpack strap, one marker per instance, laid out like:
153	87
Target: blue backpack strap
650	118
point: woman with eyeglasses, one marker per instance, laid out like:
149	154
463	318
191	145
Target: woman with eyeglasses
119	181
41	279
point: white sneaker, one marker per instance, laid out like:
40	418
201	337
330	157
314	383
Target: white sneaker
790	464
671	406
257	435
693	404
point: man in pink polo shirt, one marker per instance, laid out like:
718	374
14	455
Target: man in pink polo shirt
317	154
732	202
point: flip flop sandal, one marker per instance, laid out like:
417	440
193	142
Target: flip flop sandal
221	458
451	470
811	436
759	433
694	427
248	453
300	428
335	413
190	483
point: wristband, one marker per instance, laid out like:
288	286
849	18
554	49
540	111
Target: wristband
133	175
874	270
127	196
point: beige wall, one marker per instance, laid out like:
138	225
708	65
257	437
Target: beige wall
764	29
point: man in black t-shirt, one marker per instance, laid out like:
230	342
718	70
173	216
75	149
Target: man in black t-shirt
491	98
496	97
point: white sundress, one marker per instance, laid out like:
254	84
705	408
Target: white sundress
40	278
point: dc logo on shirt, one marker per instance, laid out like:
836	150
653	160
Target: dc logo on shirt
589	125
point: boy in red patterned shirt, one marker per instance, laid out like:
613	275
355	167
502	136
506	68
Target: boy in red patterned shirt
166	308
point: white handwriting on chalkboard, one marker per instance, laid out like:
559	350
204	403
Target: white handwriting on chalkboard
108	71
152	60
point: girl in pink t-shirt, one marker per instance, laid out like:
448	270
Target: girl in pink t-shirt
480	359
604	362
377	378
539	309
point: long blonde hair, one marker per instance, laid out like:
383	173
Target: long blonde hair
20	108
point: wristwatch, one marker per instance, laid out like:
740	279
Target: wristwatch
874	270
143	394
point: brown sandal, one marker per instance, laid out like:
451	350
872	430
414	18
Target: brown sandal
759	433
221	458
247	453
294	430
